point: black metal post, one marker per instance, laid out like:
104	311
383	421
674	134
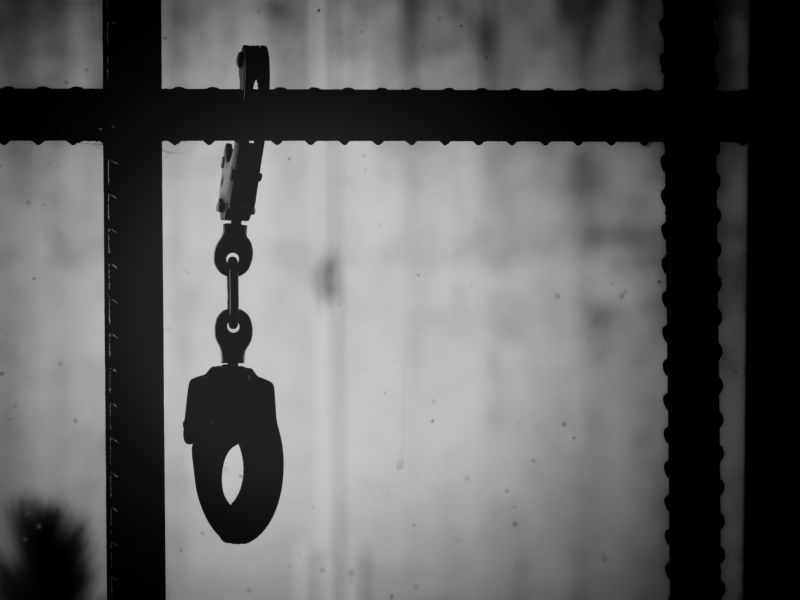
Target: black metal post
771	357
693	316
134	316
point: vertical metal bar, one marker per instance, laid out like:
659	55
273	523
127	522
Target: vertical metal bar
765	572
693	349
134	318
768	569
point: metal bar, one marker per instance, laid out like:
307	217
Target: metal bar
768	570
134	316
693	316
377	115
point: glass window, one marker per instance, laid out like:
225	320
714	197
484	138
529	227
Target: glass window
52	402
733	35
51	43
466	347
462	44
732	232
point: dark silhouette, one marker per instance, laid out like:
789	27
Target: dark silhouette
51	559
227	406
230	405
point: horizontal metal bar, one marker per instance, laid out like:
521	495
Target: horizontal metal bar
376	115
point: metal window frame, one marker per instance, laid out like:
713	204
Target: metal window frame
131	116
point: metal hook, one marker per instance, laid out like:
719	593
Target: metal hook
241	161
253	63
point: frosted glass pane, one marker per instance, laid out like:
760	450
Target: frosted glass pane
52	400
51	43
733	56
466	348
408	43
732	232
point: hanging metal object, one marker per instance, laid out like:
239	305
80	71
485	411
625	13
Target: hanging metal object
230	405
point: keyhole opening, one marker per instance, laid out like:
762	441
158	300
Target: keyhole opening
232	474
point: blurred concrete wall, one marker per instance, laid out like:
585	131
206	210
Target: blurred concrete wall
465	340
471	403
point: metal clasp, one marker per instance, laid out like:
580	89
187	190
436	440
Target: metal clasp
241	160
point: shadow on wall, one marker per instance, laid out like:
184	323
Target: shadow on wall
51	557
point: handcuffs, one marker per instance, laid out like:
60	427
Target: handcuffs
230	405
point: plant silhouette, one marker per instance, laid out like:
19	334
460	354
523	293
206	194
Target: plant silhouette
51	556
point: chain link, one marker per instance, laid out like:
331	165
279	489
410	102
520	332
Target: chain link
233	292
240	165
233	328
